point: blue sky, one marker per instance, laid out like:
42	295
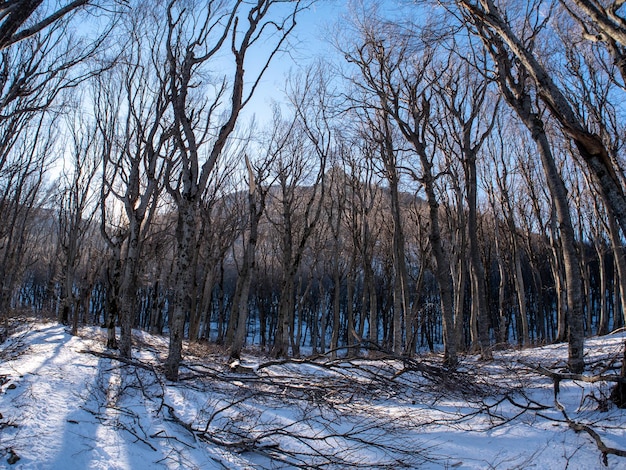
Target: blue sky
309	41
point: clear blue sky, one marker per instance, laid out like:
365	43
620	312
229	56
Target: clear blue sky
310	41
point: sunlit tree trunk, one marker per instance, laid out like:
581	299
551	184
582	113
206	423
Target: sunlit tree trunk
513	86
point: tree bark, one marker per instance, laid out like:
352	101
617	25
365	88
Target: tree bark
184	279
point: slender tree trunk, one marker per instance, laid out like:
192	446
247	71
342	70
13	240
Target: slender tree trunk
442	272
477	271
372	303
334	338
559	292
620	265
503	331
520	289
285	315
591	148
585	270
243	306
323	320
353	337
603	323
460	280
522	105
400	288
113	276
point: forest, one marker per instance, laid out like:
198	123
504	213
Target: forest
449	180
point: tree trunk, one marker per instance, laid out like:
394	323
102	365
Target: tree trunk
334	338
240	307
442	272
353	337
183	285
477	271
520	290
285	313
460	280
521	101
620	264
129	289
603	322
400	292
370	287
589	145
112	296
503	330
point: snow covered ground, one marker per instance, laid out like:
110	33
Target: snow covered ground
66	404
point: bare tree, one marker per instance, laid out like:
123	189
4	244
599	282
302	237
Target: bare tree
22	184
257	195
603	23
132	103
470	119
299	171
365	192
35	71
491	23
513	78
195	38
77	207
396	79
22	19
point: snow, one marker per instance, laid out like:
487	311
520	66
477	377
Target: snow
67	404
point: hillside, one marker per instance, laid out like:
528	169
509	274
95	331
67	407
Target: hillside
68	403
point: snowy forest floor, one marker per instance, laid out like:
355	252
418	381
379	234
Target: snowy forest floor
67	403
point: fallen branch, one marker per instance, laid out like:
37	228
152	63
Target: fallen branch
602	447
558	376
115	357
